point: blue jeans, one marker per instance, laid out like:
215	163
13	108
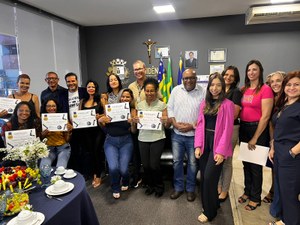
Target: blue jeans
118	152
62	153
182	145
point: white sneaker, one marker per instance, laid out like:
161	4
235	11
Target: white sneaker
116	195
124	188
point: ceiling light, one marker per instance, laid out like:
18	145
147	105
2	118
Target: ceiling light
281	1
164	9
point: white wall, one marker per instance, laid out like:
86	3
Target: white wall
45	44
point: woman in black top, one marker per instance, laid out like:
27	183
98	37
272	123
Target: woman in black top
231	76
93	137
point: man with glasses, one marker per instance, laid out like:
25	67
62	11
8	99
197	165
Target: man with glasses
54	90
183	110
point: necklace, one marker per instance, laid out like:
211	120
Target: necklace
281	111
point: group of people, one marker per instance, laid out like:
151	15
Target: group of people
206	126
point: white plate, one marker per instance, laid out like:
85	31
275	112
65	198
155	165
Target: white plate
61	173
69	177
40	217
50	191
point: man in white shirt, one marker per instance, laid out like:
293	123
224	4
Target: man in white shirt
183	109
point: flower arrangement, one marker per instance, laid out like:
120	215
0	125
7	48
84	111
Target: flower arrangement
32	150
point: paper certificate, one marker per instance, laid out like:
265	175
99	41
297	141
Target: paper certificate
84	118
16	138
54	121
9	104
118	111
258	156
149	120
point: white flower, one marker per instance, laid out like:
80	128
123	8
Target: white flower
32	150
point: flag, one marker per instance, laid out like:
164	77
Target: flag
180	71
169	81
161	78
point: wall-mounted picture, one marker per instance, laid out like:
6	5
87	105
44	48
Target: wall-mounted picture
217	55
216	68
190	59
162	51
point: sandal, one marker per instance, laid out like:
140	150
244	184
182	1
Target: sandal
276	223
268	198
252	207
243	198
97	182
202	218
116	195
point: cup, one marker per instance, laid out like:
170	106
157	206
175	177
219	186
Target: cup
26	217
45	174
60	170
69	173
59	185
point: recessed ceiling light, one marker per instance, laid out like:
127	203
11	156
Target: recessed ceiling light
281	1
164	9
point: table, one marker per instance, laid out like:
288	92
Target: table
76	207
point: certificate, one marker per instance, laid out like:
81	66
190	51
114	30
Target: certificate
84	118
217	55
54	121
16	138
118	111
9	104
258	156
149	120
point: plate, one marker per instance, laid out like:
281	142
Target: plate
61	173
49	190
39	220
69	177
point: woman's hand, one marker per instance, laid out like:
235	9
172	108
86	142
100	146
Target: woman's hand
198	153
218	158
45	133
104	120
3	113
69	127
271	154
251	144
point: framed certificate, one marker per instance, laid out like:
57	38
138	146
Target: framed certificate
216	68
162	51
217	55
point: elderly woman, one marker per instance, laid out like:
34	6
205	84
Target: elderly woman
23	93
285	149
257	104
151	142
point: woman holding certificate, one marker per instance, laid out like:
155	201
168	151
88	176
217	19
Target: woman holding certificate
257	104
23	93
285	149
118	144
22	118
57	141
93	137
151	141
213	137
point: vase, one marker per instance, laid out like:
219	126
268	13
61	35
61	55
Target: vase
32	163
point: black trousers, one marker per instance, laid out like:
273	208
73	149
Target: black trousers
150	156
252	172
210	174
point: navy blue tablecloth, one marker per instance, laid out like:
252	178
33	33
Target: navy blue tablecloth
76	207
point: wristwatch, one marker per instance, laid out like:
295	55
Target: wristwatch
291	153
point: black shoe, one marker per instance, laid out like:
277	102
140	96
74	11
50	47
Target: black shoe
176	194
191	196
159	193
149	191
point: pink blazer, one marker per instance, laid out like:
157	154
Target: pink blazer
223	129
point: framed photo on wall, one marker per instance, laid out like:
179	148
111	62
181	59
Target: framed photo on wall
216	68
191	59
162	51
217	55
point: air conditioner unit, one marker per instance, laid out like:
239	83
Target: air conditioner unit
273	14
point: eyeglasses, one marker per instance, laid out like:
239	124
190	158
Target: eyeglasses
189	78
51	78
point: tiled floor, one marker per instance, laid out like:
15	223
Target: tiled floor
261	215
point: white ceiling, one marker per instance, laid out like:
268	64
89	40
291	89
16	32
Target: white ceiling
109	12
